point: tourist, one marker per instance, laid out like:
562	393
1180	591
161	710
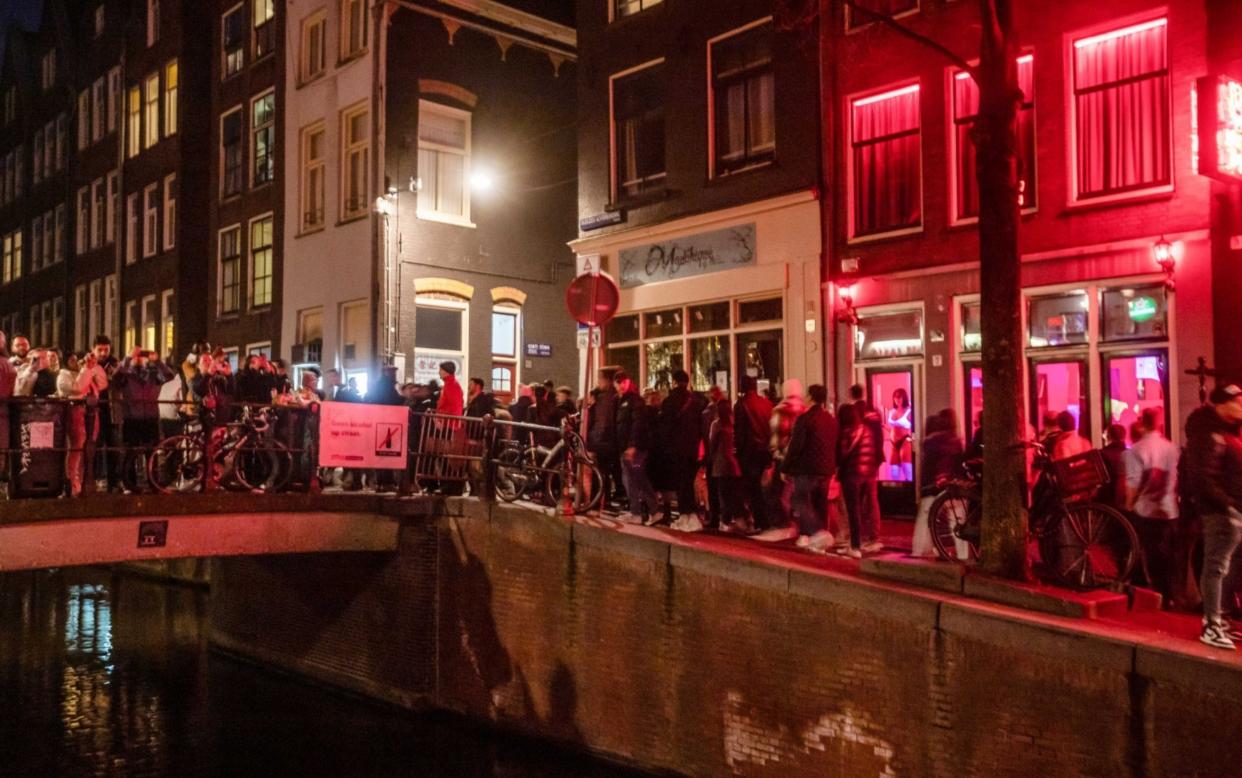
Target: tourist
634	437
140	378
722	466
942	453
177	400
602	433
780	489
871	421
711	410
520	409
858	460
810	460
1214	474
1113	453
451	402
1067	442
481	402
752	416
79	382
679	419
1150	489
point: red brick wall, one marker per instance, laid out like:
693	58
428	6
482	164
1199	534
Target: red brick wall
672	657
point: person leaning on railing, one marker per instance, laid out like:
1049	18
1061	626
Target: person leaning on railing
82	382
140	377
8	379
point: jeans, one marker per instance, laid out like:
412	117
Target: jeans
140	435
751	487
810	503
1158	539
642	497
1221	534
862	504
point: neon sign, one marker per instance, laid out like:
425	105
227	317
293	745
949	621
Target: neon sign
1141	308
1219	114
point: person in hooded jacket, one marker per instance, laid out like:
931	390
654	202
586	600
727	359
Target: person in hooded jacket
752	418
943	451
781	488
810	461
680	440
140	377
635	437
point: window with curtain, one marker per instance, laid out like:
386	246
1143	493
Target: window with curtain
263	139
170	211
231	153
261	261
230	270
965	112
99	114
443	162
264	27
150	219
356	151
882	7
133	123
885	155
170	98
233	40
743	99
1122	123
638	125
312	177
151	111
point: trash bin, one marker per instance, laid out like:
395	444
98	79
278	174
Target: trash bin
38	468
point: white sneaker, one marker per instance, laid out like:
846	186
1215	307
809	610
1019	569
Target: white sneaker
854	553
688	523
873	547
821	541
1216	636
803	541
628	518
777	534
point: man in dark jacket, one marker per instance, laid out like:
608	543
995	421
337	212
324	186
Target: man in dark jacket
811	460
1214	475
602	433
751	422
480	402
140	378
869	488
679	439
634	437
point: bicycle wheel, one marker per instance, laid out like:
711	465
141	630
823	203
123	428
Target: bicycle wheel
584	491
1089	546
257	464
954	520
176	465
512	477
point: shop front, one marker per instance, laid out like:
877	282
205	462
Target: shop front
720	295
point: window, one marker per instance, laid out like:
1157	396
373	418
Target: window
231	153
37	161
1057	320
58	320
79	318
35	323
114	97
84	221
114	197
312	177
353	27
355	151
263	139
49	149
170	98
1134	313
10	104
887	335
131	228
99	26
11	269
61	122
153	22
261	261
98	199
439	335
233	37
170	211
965	112
264	27
150	325
36	242
150	219
623	8
47	70
314	29
882	7
110	305
638	132
61	219
230	270
168	301
743	99
99	116
151	117
506	334
51	252
19	170
133	125
93	320
131	326
884	135
1122	124
443	162
84	118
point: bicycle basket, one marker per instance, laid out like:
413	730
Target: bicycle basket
1081	475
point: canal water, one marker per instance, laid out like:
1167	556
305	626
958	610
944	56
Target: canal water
107	674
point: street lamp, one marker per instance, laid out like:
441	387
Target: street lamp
1162	251
847	314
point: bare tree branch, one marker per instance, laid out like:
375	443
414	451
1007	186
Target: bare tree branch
901	29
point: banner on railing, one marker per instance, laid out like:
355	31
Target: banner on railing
363	436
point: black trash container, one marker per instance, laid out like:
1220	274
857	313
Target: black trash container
38	468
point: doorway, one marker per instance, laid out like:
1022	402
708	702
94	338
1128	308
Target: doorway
891	391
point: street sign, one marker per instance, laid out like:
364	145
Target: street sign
592	299
588	263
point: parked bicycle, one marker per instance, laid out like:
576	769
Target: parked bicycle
527	470
1082	544
244	456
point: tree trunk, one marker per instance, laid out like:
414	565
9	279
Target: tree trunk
1004	532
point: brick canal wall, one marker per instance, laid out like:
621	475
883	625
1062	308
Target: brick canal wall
675	657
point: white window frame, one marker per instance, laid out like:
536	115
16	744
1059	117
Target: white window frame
170	211
613	173
888	90
150	220
514	361
99	109
225	72
347	151
307	167
347	28
151	110
113	196
308	68
98	203
79	318
62	215
172	85
114	97
465	153
81	233
110	309
132	228
224	195
84	119
131	325
153	22
239	274
712	172
36	244
95	307
463	306
644	6
36	162
150	332
252	134
248	263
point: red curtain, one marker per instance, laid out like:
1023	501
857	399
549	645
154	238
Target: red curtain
965	109
1121	86
886	162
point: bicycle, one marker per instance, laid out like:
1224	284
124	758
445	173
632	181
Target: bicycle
523	466
245	457
1082	543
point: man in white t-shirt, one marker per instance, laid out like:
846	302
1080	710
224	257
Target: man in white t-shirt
1151	494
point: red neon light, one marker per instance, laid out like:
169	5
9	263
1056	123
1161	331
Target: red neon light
1110	35
1219	127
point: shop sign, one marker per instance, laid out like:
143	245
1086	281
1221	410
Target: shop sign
1219	104
601	220
1142	308
693	255
363	435
538	349
427	365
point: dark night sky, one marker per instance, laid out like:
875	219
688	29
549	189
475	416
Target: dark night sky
24	12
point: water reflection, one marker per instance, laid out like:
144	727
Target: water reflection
109	675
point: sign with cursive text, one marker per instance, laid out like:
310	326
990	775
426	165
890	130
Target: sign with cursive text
693	255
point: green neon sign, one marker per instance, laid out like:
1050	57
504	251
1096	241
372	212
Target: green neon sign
1142	308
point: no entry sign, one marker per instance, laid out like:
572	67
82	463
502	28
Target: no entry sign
592	299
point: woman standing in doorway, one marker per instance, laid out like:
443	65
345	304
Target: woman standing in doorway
900	429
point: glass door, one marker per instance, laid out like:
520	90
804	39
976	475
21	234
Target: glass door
1134	382
891	391
1059	385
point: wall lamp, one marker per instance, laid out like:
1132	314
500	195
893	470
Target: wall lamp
1162	251
845	312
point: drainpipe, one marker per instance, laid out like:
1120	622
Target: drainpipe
827	171
379	232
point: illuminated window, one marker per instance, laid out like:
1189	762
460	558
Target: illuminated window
886	194
151	115
231	153
355	151
623	8
638	132
230	270
233	40
965	112
443	162
1122	122
1057	319
170	211
313	139
264	27
263	139
170	98
133	122
261	261
886	335
743	99
168	301
150	323
12	264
